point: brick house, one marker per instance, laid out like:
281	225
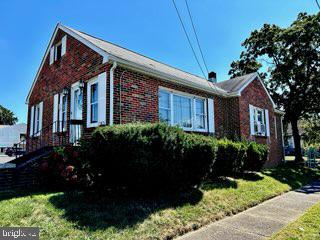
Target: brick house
84	82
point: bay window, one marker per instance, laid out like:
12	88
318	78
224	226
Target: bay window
184	110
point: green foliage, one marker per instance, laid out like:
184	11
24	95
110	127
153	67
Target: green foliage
257	155
292	58
148	156
311	127
7	117
230	158
61	169
157	156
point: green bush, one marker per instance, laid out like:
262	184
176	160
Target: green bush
230	158
61	169
147	156
257	155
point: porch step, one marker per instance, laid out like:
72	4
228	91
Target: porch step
23	172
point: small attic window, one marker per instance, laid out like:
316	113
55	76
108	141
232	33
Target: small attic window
58	51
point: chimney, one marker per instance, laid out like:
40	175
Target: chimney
212	77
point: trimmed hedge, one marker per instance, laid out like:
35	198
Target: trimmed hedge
230	158
148	156
156	156
257	155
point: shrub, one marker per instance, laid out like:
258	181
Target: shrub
61	169
230	158
257	155
148	156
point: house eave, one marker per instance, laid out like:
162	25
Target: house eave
104	54
167	77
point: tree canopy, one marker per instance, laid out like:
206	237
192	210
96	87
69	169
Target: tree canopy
7	117
288	60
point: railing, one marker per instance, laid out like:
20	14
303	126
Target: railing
59	133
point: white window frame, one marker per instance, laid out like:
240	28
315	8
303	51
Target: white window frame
36	120
258	123
193	108
275	127
89	121
64	112
56	51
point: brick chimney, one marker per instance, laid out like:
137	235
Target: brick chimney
212	77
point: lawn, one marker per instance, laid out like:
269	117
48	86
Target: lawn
307	227
88	216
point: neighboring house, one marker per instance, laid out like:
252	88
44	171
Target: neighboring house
11	134
84	82
288	136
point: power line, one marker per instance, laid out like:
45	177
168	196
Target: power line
185	31
318	4
195	33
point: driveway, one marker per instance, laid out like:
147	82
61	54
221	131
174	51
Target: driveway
5	158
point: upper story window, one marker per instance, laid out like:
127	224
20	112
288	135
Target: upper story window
186	111
58	50
259	121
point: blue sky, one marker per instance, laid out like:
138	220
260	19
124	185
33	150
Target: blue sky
147	26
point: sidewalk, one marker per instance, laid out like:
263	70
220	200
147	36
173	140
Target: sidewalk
262	221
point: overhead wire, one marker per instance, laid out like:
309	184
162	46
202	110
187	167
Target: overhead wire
189	41
195	33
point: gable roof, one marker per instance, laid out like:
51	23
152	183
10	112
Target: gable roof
113	52
138	62
235	86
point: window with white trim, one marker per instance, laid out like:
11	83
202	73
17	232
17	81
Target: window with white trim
164	107
64	112
275	127
94	103
179	109
259	121
37	118
58	50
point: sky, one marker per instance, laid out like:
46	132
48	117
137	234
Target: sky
149	27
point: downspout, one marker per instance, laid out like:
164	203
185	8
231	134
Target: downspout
111	92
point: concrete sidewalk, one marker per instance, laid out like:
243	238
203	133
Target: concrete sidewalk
262	221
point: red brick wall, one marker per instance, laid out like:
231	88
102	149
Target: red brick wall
256	95
139	95
79	63
139	98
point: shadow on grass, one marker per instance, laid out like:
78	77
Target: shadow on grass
295	176
219	183
10	194
121	212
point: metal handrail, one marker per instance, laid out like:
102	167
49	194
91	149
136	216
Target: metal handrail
53	135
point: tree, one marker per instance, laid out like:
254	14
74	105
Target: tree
290	61
311	129
7	117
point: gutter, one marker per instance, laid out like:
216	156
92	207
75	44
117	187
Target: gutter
160	75
111	92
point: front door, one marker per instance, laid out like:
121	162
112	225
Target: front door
76	113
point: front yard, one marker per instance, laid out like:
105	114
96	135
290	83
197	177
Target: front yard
307	227
79	216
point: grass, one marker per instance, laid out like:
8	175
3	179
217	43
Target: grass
307	227
86	216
